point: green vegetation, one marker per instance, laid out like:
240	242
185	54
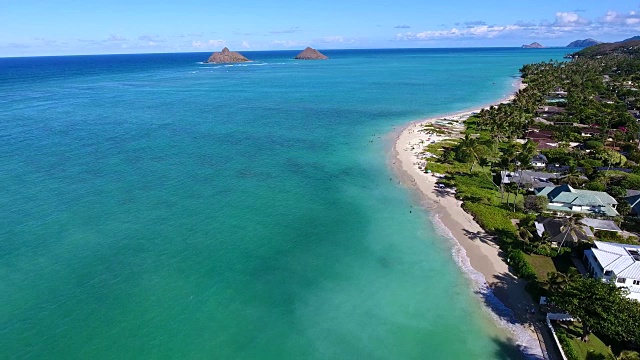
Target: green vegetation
597	109
576	349
542	265
600	306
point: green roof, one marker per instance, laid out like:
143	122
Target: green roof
564	198
567	195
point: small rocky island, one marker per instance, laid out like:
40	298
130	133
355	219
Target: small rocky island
533	45
310	54
226	56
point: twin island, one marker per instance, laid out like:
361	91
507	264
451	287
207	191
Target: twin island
226	56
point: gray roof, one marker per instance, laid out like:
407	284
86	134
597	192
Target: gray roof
599	224
557	233
535	178
633	198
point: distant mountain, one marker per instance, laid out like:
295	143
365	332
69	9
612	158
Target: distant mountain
583	43
533	45
628	46
630	39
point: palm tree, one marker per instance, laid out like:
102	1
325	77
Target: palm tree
525	235
556	281
572	226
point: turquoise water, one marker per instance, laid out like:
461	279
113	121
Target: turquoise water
157	207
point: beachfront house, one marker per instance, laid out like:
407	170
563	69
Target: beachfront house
564	199
558	232
528	179
617	263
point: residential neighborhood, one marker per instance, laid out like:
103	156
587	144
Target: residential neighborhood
554	176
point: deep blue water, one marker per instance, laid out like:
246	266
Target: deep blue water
154	206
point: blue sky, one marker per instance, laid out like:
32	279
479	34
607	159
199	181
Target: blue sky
57	27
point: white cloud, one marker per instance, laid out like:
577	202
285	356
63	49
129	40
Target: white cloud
113	37
569	19
208	44
564	24
333	39
483	31
630	18
288	43
246	45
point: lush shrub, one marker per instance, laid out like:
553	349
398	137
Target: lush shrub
611	236
520	265
590	163
536	203
631	181
595	186
593	144
547	250
491	218
569	351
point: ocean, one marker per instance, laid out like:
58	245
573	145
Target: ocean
157	207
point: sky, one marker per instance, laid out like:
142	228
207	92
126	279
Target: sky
74	27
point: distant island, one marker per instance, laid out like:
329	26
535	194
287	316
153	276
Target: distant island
226	56
310	54
533	45
583	43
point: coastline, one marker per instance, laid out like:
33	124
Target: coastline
476	252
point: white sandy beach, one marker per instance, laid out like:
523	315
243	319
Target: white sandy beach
483	253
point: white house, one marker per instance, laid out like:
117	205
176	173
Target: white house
618	263
539	161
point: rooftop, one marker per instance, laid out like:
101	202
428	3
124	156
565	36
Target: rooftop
622	259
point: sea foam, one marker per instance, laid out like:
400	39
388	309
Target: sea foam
505	318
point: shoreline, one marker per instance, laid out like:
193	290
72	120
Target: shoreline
476	253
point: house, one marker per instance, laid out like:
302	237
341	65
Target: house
542	121
559	233
527	178
603	100
539	161
590	132
563	168
633	198
534	134
599	224
559	93
545	144
565	199
617	263
546	111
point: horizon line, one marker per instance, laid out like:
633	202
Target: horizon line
293	50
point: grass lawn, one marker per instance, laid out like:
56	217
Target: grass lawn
592	349
542	265
587	350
